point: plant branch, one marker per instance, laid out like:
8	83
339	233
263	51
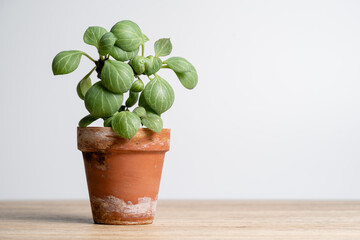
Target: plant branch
91	72
85	54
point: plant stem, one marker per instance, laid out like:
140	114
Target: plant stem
142	49
165	66
89	57
91	71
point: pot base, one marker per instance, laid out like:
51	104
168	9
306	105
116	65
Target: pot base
112	210
116	222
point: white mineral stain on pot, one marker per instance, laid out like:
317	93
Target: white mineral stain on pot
144	146
154	142
144	208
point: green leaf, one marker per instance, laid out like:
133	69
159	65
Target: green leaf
66	62
108	121
83	86
162	47
178	64
140	111
106	43
117	76
126	124
159	95
93	35
128	34
100	102
145	38
138	64
188	79
137	86
152	65
133	98
184	70
122	55
152	121
87	120
143	103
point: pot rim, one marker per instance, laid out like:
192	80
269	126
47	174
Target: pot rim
103	139
111	128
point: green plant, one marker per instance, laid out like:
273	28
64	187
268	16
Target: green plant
120	70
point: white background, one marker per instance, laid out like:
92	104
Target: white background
276	113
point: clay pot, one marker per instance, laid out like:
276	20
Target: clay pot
123	176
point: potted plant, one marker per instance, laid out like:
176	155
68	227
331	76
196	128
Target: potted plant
123	162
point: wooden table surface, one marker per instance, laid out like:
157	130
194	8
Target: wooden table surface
228	219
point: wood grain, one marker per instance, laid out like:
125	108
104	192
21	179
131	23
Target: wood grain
187	220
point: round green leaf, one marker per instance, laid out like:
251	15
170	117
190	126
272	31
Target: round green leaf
66	62
87	120
137	86
106	43
128	34
159	95
126	124
143	103
152	121
100	102
138	64
108	121
133	98
188	79
140	111
152	65
162	47
122	55
178	64
83	86
117	76
93	35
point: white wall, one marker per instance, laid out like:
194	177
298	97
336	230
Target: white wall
275	114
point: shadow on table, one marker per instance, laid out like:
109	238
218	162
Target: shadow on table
45	217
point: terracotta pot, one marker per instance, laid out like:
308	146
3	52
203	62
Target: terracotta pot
123	176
